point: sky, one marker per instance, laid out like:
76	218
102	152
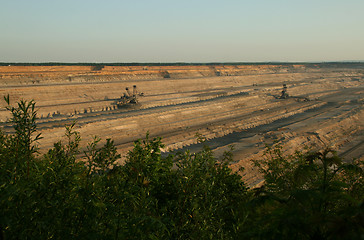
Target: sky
181	31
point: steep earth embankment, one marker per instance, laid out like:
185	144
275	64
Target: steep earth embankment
228	105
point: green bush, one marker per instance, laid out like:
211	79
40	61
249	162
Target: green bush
309	196
56	196
182	196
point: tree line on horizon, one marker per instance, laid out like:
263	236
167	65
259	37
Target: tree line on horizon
309	64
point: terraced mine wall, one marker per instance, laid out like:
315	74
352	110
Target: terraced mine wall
75	85
237	105
10	75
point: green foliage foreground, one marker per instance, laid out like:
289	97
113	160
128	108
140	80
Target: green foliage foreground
183	196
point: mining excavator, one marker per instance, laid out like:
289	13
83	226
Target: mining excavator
284	93
129	98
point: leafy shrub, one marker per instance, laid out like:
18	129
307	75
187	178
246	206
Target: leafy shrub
309	196
149	197
184	196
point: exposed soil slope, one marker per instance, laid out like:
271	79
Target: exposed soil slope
229	105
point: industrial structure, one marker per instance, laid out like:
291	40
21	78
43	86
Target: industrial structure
129	98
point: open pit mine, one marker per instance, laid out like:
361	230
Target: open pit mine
245	106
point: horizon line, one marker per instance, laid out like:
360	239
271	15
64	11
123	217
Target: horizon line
181	63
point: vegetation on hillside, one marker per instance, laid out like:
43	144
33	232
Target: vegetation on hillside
184	196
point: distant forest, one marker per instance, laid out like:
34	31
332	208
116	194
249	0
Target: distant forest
324	64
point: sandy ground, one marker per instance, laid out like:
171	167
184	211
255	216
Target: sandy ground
228	105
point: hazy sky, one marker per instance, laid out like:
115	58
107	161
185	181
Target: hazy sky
183	30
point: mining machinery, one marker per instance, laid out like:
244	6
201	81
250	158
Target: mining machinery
129	98
284	93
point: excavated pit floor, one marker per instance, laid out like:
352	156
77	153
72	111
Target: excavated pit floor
325	109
